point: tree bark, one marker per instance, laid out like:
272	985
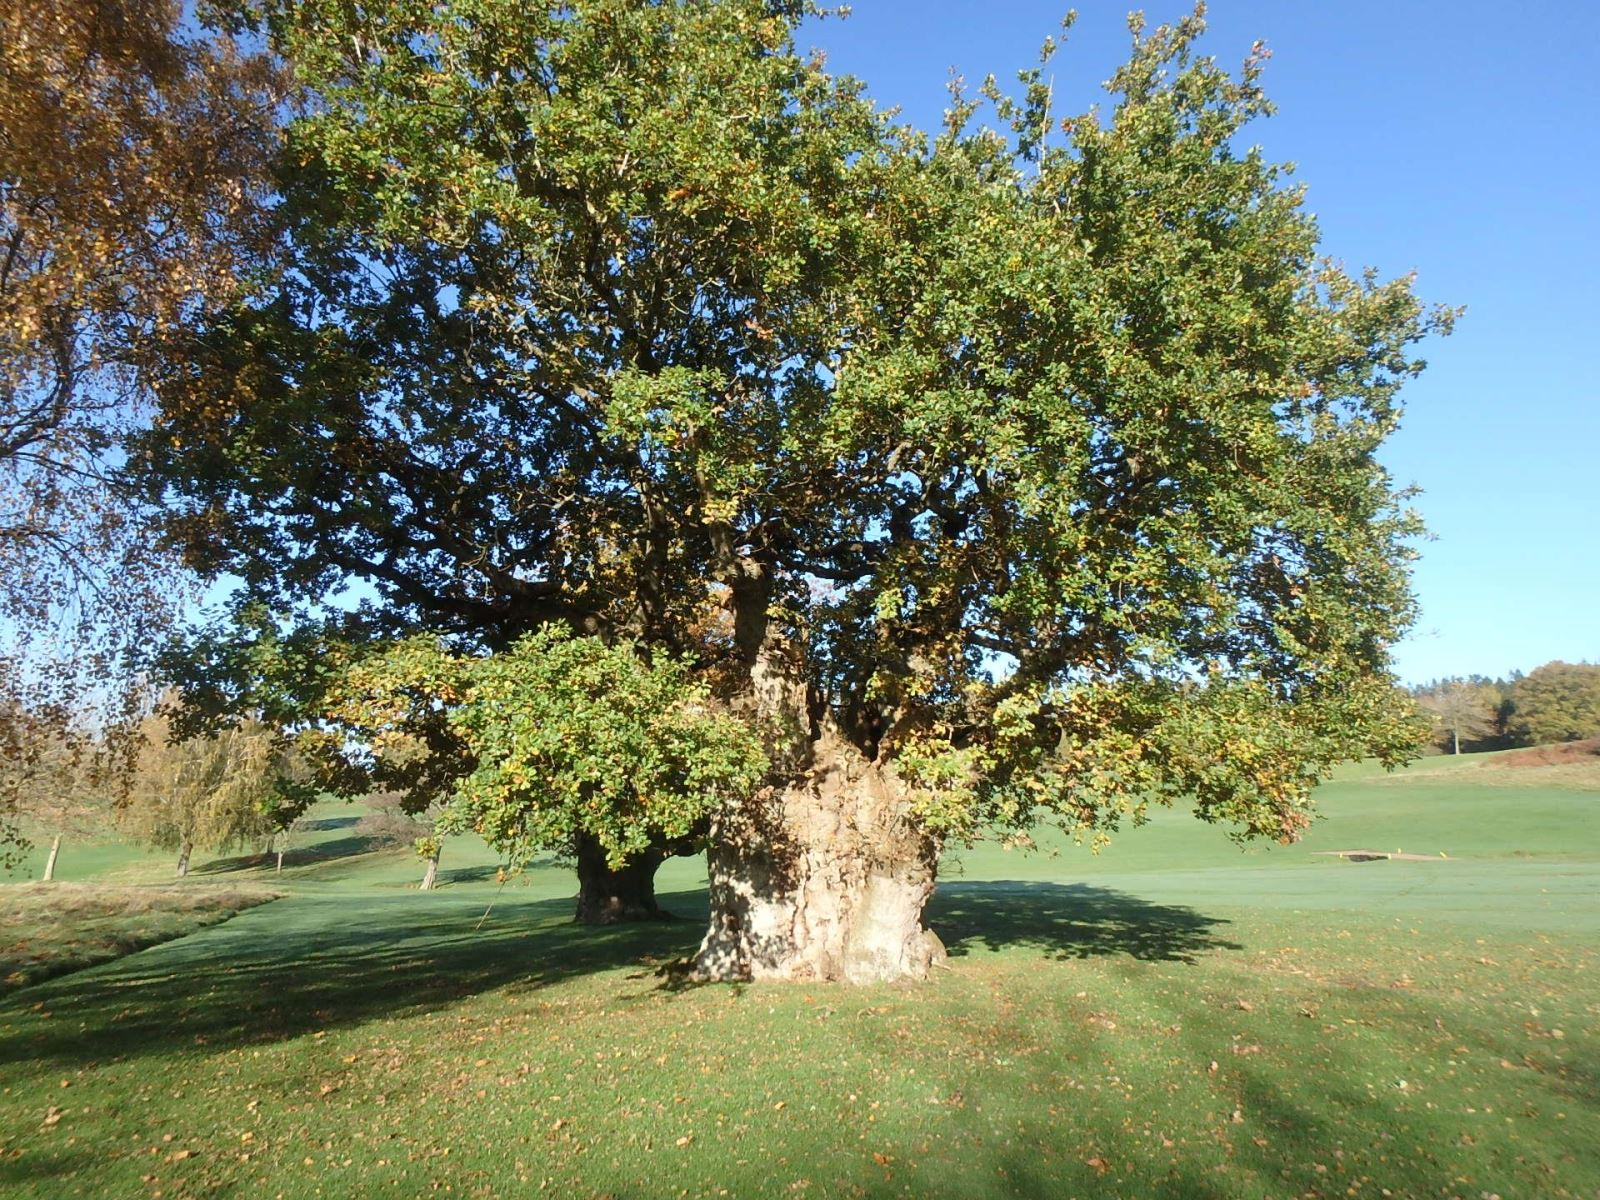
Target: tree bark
607	896
824	874
183	860
430	875
279	869
825	878
50	863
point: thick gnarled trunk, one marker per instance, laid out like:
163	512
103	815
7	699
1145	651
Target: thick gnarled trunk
825	874
825	878
607	896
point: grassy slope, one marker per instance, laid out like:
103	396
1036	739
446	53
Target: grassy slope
1173	1018
82	861
54	929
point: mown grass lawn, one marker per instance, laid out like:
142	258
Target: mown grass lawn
54	929
1173	1018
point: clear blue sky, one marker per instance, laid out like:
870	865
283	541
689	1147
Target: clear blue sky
1457	140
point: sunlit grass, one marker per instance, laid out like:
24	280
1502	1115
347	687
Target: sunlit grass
1176	1017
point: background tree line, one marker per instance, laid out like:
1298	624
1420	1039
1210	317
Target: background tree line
1557	702
240	787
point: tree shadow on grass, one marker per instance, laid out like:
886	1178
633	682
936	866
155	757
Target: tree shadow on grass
319	962
322	824
482	874
42	1169
1060	921
345	847
309	963
1068	921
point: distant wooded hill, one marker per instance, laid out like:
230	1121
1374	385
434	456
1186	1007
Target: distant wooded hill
1558	702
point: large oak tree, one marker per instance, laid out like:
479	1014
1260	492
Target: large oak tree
1557	702
1011	474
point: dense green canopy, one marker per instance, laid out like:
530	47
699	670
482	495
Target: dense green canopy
1558	702
1040	453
